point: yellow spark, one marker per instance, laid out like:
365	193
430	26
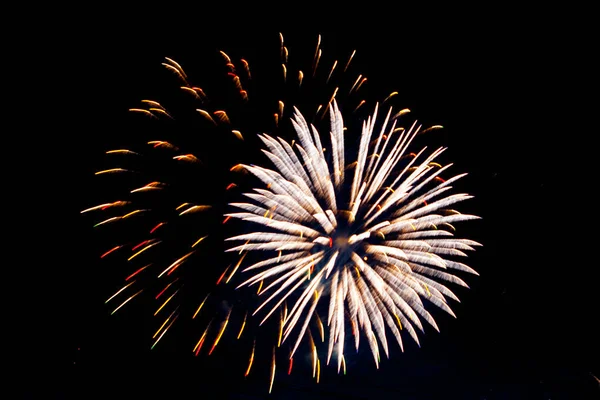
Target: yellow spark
281	107
359	105
319	108
225	56
243	325
200	92
162	143
220	333
284	72
236	268
181	206
386	256
427	288
231	67
110	171
260	287
161	111
187	157
125	302
141	110
142	250
333	95
179	74
355	83
222	115
106	221
237	82
361	83
164	323
120	290
318	369
201	341
177	263
199	240
251	359
206	115
195	209
153	103
398	320
165	331
272	372
285	54
132	213
238	134
121	151
344	364
105	205
317	49
276	116
200	306
176	65
321	328
447	224
314	354
300	77
280	328
390	96
331	72
165	303
246	67
281	40
243	247
431	128
191	91
317	62
350	59
401	113
150	186
435	164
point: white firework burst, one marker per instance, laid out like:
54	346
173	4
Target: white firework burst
376	245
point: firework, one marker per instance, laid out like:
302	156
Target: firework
368	239
371	244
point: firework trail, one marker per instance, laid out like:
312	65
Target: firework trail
368	239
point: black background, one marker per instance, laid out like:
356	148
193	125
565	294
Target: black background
526	327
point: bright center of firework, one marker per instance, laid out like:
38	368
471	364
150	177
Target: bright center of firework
341	242
342	245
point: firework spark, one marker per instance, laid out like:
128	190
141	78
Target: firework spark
372	244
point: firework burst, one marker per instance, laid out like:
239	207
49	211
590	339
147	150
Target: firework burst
372	243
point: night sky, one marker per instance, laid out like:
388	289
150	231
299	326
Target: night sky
525	328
